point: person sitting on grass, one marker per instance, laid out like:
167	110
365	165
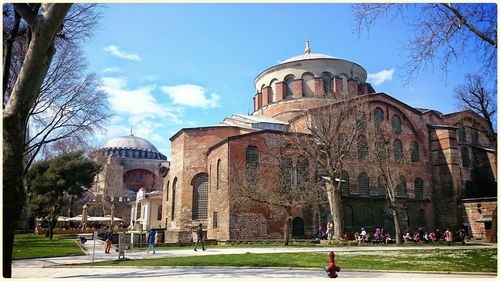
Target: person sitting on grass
432	237
346	236
388	238
407	237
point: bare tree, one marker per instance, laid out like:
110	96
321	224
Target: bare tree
389	158
474	95
43	23
443	32
278	181
332	131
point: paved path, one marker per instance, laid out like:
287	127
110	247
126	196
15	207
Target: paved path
48	267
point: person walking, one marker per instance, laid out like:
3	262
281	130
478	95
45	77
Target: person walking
461	235
448	236
108	237
151	240
199	239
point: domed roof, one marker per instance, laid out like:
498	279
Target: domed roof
130	141
307	56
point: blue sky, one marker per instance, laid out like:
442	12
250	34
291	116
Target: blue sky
169	66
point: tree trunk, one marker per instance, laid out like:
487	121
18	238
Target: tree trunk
286	227
52	225
15	115
397	227
335	202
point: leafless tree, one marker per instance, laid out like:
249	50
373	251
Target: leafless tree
473	94
332	131
44	23
444	32
279	182
389	158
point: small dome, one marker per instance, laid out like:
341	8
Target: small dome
307	56
130	142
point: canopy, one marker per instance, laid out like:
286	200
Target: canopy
95	219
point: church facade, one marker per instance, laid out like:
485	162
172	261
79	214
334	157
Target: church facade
453	159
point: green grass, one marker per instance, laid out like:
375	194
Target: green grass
225	245
460	260
36	246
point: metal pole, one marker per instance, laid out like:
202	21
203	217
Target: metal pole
93	251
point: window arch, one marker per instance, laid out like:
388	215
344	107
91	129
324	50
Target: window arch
289	87
344	183
475	137
174	185
367	216
378	115
252	162
401	190
217	182
158	213
415	152
398	149
362	147
348	216
200	197
168	188
302	168
396	124
465	156
273	90
363	185
461	133
418	184
307	85
327	83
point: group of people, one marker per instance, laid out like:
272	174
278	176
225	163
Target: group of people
151	239
379	236
421	235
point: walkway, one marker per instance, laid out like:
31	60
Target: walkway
48	267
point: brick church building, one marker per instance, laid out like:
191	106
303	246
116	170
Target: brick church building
452	166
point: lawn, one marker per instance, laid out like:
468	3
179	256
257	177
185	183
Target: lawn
36	246
460	260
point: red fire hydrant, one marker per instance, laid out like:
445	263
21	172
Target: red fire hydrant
331	268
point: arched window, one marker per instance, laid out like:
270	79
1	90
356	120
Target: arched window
200	197
378	115
381	186
344	183
475	137
308	85
465	156
461	133
302	167
362	147
218	175
415	152
273	90
252	162
289	87
367	216
401	190
396	124
363	185
158	213
138	211
348	216
327	83
174	185
419	188
168	188
398	149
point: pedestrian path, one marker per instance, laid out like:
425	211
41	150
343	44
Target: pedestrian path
51	267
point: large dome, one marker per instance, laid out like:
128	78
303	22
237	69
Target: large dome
307	56
130	142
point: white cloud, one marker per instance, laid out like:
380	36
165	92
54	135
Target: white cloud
139	103
112	49
191	95
111	69
380	77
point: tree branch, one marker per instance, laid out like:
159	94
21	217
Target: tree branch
26	13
